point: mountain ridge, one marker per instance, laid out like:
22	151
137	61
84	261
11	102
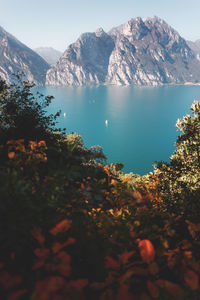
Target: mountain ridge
140	52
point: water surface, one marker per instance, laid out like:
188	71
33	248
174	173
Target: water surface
140	127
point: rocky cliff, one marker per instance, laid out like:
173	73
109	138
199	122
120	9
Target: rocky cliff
141	52
84	62
16	58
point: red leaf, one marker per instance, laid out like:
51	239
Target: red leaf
7	281
42	253
58	246
62	261
173	289
147	251
111	263
186	245
144	296
192	279
98	285
45	289
78	284
153	268
139	271
153	290
38	264
16	295
160	283
124	294
124	257
37	234
126	276
61	227
133	271
1	265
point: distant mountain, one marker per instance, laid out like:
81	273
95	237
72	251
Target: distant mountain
141	52
16	58
49	54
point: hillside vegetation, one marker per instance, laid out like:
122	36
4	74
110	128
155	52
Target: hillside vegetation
73	227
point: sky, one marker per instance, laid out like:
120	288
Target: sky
58	23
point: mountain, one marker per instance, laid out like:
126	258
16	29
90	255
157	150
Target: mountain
49	54
140	52
16	58
84	62
195	46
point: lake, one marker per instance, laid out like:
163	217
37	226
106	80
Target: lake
134	125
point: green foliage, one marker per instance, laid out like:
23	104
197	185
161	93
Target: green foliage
23	115
180	179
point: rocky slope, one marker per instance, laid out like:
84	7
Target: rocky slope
16	58
141	52
195	46
50	55
84	62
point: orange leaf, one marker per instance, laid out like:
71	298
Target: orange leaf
16	295
78	284
188	254
147	251
11	155
37	234
42	253
192	279
127	180
41	144
153	290
124	257
111	263
61	227
113	182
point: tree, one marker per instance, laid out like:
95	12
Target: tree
180	179
23	115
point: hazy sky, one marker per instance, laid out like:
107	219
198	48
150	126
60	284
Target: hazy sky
57	23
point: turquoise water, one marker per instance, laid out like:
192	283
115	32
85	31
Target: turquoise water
140	127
